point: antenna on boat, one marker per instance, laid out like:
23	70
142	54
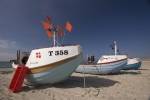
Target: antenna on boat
54	37
55	30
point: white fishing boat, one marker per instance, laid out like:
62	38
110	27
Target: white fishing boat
133	64
107	64
52	64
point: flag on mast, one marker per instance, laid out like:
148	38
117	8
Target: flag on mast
68	26
47	25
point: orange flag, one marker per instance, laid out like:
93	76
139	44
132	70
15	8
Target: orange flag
46	25
49	33
68	26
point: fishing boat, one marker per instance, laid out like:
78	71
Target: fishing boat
107	64
133	64
52	64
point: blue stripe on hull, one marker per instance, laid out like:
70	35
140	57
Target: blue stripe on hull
135	66
56	74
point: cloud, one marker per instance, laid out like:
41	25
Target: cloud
6	44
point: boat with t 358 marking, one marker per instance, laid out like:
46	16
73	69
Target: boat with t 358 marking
55	63
107	64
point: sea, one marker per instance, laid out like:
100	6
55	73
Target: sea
5	66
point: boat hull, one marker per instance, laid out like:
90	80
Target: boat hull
133	64
109	68
52	65
57	74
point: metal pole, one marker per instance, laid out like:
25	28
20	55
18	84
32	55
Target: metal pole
115	47
54	40
84	77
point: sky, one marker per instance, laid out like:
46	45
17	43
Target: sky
96	24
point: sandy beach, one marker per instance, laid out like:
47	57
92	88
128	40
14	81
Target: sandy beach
128	85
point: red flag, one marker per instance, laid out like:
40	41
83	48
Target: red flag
49	33
68	26
47	25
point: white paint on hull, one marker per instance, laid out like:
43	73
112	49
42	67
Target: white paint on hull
56	73
106	64
102	68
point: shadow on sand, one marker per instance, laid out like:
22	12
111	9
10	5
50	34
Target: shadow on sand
75	81
144	69
132	72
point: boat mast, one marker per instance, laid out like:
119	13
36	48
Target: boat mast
115	44
54	31
54	38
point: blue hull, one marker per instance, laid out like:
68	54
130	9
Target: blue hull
111	69
134	66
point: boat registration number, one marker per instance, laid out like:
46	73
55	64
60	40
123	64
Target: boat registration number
58	52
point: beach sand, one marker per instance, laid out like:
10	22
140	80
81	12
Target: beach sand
128	85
